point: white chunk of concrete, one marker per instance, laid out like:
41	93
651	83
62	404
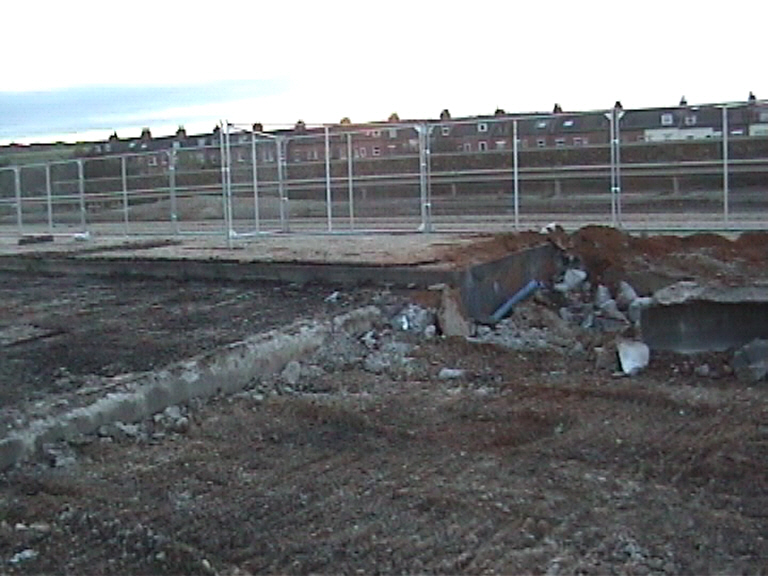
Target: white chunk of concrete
633	356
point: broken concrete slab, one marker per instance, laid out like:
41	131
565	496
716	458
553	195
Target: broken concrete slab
451	316
750	362
688	317
487	286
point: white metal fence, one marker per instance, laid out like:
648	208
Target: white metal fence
706	170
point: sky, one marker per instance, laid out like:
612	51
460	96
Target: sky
80	70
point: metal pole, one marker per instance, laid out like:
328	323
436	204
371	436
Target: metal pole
726	191
617	131
515	175
224	169
281	184
421	129
48	199
611	140
428	151
172	183
230	218
124	178
351	183
254	161
328	196
17	191
81	184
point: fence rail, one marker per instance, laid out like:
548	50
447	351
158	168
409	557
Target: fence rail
399	177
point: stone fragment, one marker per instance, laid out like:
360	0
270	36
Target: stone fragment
750	362
625	295
450	373
572	279
633	356
602	295
451	316
291	373
636	308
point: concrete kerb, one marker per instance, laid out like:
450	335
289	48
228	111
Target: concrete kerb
222	371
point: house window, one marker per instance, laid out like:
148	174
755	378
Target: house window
240	157
97	148
763	116
363	152
501	144
568	124
107	147
176	144
375	151
201	157
585	140
200	142
243	139
446	130
392	147
467	147
667	119
541	124
738	132
541	143
376	133
482	127
393	133
577	141
560	142
640	138
690	120
482	146
152	161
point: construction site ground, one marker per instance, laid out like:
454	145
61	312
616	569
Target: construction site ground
451	456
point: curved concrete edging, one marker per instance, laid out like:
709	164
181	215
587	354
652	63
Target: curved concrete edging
225	370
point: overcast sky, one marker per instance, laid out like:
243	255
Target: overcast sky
79	70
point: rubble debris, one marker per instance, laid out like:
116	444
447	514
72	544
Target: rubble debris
572	280
625	295
750	362
413	318
633	356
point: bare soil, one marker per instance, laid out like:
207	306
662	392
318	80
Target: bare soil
530	462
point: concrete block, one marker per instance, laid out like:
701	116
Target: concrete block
451	317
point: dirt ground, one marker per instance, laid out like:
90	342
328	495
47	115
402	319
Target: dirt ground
527	460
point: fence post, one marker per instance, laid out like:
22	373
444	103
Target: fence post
281	184
17	193
611	141
351	182
617	132
81	190
124	178
172	184
224	172
48	199
254	161
423	160
515	175
726	191
328	196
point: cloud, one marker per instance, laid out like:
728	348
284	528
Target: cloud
88	108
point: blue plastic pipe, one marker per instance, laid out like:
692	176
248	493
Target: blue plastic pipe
519	296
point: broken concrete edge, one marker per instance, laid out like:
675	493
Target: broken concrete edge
229	270
687	291
223	371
